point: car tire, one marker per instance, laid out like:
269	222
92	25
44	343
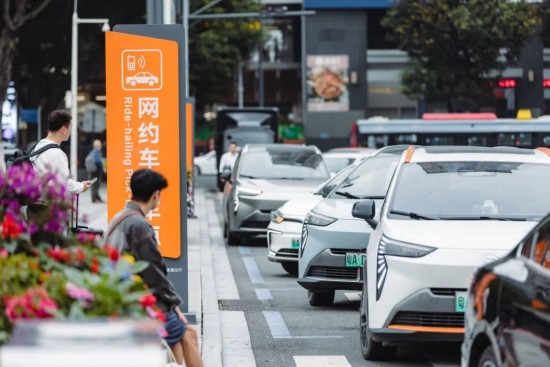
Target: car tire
133	83
232	239
290	267
151	83
320	298
370	349
488	358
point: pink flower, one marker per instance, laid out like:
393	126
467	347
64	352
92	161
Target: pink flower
79	293
35	303
3	253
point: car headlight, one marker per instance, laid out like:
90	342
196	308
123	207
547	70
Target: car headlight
236	200
389	247
277	217
247	191
303	240
316	219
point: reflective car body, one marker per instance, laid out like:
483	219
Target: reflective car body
205	164
448	211
331	236
285	229
265	177
507	319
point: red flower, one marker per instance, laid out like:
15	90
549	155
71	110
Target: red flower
58	254
10	228
112	252
35	303
147	300
159	315
80	255
94	268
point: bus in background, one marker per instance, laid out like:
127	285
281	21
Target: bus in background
474	129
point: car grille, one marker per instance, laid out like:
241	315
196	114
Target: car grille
446	291
333	272
288	253
255	224
342	251
429	319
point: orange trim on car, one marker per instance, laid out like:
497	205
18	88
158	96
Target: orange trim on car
429	329
409	154
544	150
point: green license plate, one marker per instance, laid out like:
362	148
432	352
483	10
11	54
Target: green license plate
460	301
295	244
355	259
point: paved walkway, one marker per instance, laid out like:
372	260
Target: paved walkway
224	335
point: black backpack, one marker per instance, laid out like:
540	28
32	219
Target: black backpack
20	156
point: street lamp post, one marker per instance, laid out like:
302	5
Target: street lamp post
74	81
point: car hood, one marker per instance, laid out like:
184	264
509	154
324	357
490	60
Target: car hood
481	235
300	207
298	187
340	208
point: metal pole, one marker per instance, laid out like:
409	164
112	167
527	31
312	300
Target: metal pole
167	12
261	67
186	32
74	92
240	87
304	76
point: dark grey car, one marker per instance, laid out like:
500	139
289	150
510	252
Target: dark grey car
264	178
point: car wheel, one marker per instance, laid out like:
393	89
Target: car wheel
232	239
151	82
320	298
370	349
290	267
488	358
133	83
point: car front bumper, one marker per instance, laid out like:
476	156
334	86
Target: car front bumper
283	240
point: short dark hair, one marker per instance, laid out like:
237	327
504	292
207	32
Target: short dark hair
233	142
144	183
57	119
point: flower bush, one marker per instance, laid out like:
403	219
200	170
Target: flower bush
46	272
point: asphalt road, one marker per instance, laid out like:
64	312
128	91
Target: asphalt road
286	331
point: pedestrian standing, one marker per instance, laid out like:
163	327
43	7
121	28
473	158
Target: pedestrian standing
227	162
96	169
130	231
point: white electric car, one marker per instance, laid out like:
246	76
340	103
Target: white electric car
448	211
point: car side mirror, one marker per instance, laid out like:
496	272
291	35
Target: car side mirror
365	209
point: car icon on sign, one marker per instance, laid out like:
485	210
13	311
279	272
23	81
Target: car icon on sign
142	78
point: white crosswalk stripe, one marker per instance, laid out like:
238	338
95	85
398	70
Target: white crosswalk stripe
321	361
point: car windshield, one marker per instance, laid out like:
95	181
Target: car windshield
370	179
472	191
330	184
280	163
335	164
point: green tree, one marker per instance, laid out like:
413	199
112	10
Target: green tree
216	46
455	44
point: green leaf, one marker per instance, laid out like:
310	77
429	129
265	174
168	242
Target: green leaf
139	266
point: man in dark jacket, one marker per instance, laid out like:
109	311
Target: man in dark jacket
129	231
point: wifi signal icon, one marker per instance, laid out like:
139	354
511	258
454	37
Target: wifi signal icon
141	61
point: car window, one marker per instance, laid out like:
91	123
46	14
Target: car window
335	164
281	163
371	178
470	189
334	181
540	252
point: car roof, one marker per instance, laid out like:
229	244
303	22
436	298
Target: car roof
286	147
471	153
392	150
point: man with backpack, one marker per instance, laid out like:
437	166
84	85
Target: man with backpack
95	169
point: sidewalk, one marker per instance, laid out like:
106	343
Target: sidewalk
223	335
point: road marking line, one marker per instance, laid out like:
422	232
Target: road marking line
244	250
321	361
443	363
353	296
318	337
253	272
263	294
276	325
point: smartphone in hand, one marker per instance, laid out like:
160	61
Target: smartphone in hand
93	180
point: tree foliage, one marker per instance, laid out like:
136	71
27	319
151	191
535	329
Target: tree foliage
216	46
455	44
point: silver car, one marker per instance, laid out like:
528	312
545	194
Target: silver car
333	243
284	230
265	177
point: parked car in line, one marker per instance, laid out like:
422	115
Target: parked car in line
285	228
265	177
338	158
448	211
205	164
333	242
507	319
